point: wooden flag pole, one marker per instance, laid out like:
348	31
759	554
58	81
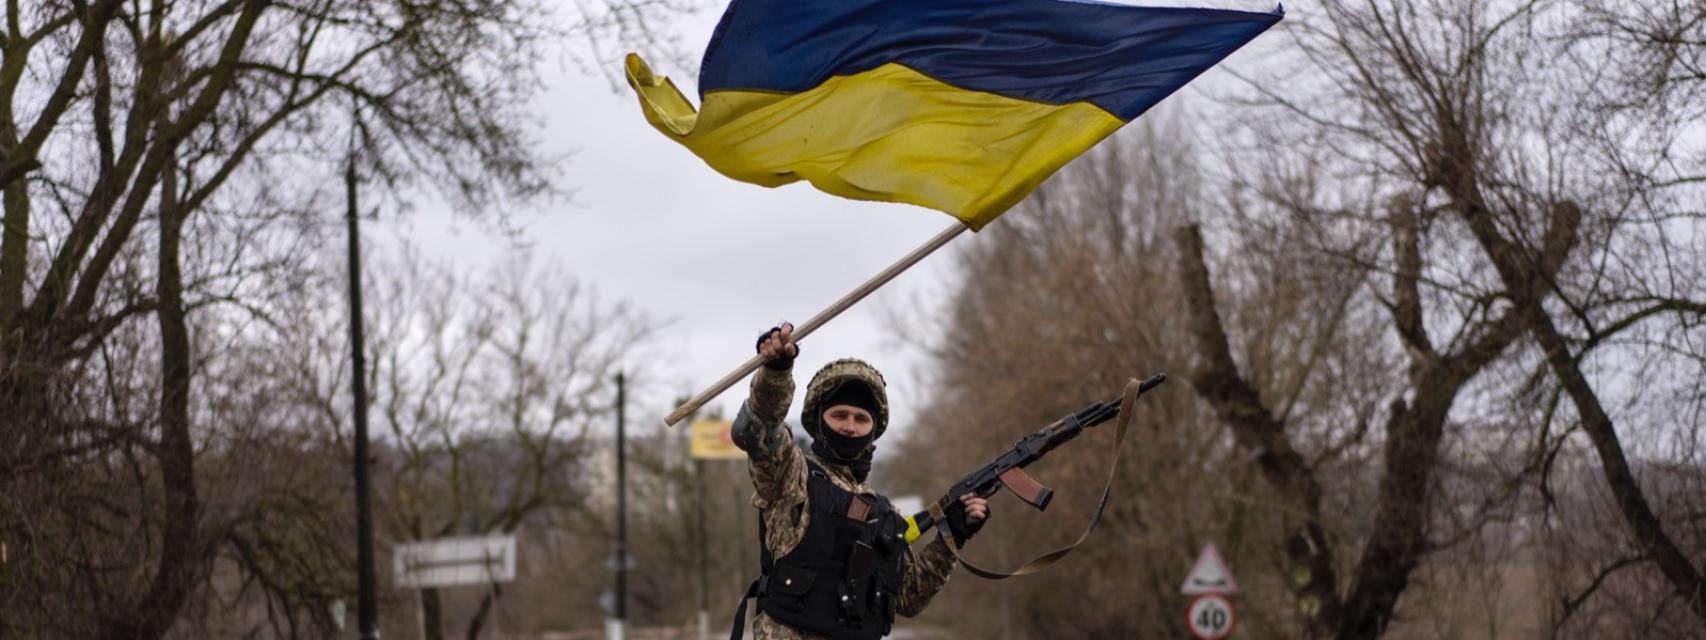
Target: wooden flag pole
823	317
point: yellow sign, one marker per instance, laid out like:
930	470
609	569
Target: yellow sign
711	441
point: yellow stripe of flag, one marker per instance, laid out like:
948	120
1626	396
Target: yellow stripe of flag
971	154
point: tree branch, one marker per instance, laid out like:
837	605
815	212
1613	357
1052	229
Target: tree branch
1407	259
1571	605
95	25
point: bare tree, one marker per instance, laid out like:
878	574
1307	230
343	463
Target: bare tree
489	388
1546	137
160	164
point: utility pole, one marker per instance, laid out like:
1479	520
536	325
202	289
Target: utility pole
741	543
368	615
704	557
616	628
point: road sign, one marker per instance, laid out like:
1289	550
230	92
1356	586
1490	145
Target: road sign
711	441
1211	617
627	561
1209	575
446	562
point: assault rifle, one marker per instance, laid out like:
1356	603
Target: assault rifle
1008	469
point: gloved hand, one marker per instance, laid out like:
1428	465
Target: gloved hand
774	346
966	517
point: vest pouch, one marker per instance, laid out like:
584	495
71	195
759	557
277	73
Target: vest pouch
886	603
851	595
789	586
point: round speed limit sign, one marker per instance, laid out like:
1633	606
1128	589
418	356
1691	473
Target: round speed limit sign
1210	617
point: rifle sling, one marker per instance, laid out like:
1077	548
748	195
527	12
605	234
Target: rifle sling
1127	399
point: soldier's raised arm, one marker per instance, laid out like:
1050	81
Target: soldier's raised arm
778	467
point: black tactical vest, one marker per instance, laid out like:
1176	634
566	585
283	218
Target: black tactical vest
844	577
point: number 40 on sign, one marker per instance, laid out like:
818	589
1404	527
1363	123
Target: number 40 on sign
1211	617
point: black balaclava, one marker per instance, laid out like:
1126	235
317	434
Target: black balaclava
840	449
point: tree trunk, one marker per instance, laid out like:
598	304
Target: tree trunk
1216	380
179	553
1399	537
487	603
14	238
432	614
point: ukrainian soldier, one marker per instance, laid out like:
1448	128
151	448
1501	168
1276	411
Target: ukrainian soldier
834	559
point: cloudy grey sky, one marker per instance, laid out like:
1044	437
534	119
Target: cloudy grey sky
716	260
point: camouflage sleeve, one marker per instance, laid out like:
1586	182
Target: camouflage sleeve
927	572
778	468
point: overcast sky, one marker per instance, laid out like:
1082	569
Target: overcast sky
716	260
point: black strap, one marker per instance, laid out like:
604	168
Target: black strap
766	564
739	629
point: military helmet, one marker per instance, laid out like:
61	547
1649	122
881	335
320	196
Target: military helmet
830	378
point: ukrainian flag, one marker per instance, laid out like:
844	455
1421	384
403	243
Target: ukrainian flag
963	106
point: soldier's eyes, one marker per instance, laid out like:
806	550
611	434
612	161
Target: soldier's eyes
848	415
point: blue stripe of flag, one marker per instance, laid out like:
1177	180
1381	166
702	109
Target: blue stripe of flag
1121	58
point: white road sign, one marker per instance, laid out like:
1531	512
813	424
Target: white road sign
446	562
1211	617
1209	575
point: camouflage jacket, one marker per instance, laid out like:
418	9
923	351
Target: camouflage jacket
778	467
